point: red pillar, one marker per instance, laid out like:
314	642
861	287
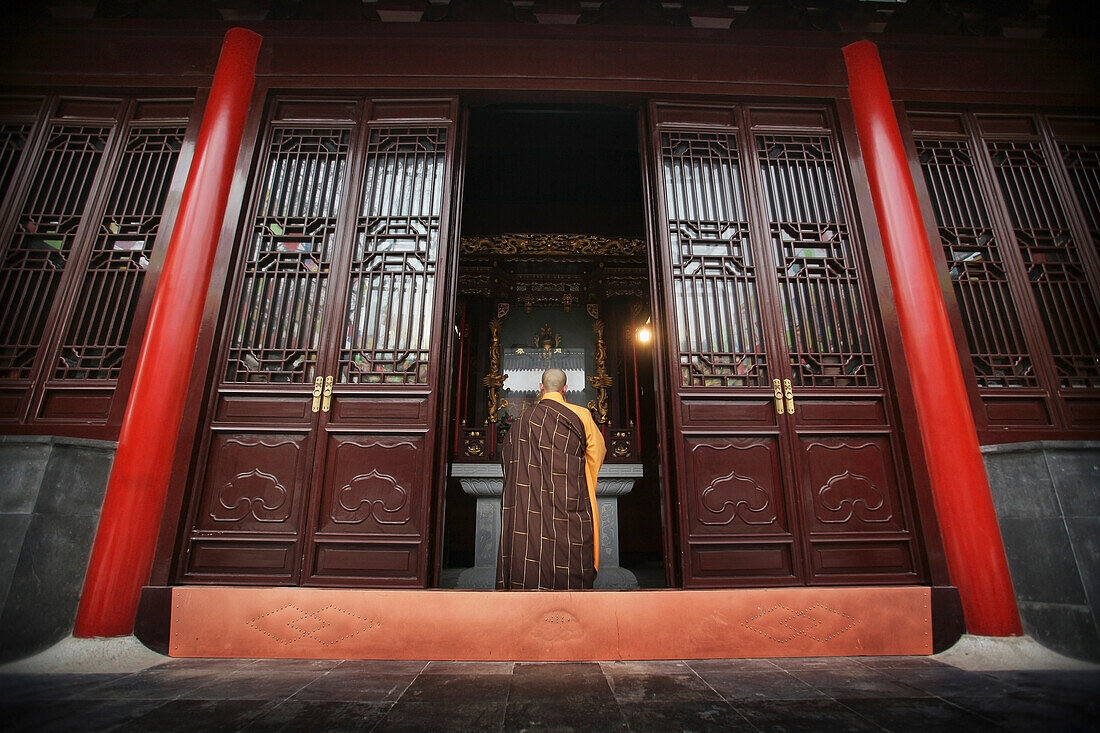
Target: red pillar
971	535
122	554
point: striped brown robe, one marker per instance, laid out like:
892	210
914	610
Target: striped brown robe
546	515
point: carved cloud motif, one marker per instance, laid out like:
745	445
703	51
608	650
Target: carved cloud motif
850	494
750	502
253	492
373	494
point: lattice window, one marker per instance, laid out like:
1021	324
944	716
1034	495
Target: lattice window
95	340
390	301
39	249
1052	260
13	139
997	346
277	322
1082	162
824	316
714	277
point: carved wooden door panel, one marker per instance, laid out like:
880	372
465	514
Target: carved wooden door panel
318	459
789	467
371	523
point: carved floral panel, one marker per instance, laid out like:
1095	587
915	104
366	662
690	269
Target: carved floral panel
374	485
734	486
851	484
253	483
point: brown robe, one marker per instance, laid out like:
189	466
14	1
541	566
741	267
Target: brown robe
546	515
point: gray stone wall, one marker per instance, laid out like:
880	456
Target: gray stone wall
1047	496
51	492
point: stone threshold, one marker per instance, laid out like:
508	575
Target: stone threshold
319	623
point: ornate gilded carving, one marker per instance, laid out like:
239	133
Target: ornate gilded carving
630	286
553	244
547	339
494	380
473	443
620	445
601	380
476	283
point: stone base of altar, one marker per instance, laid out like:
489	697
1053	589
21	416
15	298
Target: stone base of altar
316	623
485	482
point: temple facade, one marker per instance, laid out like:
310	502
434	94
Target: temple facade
713	215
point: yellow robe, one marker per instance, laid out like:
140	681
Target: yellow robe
594	452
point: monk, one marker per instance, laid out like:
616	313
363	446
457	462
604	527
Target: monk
550	526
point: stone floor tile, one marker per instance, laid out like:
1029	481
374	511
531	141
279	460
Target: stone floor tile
205	664
948	682
532	716
152	684
899	662
557	668
188	716
793	716
646	668
469	668
86	716
443	716
384	666
457	688
661	717
30	687
1067	684
294	665
570	684
356	685
748	686
852	682
633	688
833	663
1033	712
732	665
248	684
320	715
925	714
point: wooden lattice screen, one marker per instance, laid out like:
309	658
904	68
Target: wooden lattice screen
1016	202
84	183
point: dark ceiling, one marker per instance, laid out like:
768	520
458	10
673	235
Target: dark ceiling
1008	18
561	169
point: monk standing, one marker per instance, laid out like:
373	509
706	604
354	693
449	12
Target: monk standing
550	536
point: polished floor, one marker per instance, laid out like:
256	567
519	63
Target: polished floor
852	694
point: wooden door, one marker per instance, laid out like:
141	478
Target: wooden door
318	460
788	464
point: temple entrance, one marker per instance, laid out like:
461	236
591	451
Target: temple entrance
553	272
353	422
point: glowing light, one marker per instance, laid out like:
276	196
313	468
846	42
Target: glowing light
644	334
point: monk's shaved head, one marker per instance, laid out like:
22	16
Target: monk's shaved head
553	380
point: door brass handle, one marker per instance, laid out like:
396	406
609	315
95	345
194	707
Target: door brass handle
327	403
778	396
317	393
789	394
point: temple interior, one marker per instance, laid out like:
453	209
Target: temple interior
553	272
